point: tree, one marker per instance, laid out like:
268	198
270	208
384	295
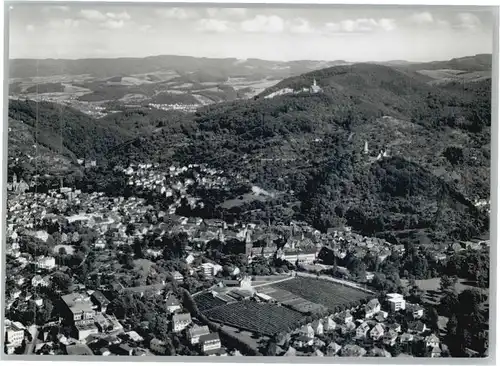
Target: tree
445	283
433	318
61	281
271	348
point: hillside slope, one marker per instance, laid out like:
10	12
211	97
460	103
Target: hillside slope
312	144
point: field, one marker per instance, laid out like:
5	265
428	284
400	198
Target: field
292	301
326	293
432	292
432	284
263	318
205	301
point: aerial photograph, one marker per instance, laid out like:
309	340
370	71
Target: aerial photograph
274	180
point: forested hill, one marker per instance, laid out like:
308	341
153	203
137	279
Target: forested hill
435	140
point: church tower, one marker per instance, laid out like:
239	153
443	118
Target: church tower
365	150
220	236
248	243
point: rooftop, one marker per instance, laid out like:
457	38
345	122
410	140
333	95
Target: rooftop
78	302
209	337
79	350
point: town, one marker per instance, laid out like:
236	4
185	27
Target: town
90	274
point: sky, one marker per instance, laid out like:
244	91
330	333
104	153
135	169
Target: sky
351	33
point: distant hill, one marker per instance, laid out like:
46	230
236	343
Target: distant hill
480	62
110	68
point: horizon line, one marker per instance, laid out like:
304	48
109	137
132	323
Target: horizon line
240	59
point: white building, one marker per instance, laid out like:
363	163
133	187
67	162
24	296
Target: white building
196	332
180	321
47	263
210	342
396	302
14	335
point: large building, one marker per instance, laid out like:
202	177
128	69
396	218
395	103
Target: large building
302	256
396	302
79	312
14	335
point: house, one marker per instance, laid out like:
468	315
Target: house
196	332
177	276
210	269
318	353
38	301
381	316
40	281
318	327
100	244
134	336
395	327
318	343
390	338
124	350
104	351
432	341
436	352
379	352
329	325
406	338
377	332
210	342
348	328
158	346
396	302
47	263
100	301
362	330
333	349
307	330
189	259
372	308
352	350
417	327
303	341
172	304
344	317
141	352
180	321
107	323
416	310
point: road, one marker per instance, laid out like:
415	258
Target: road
30	347
272	282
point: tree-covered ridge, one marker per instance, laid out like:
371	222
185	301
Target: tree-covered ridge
81	134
